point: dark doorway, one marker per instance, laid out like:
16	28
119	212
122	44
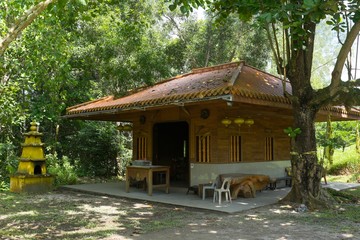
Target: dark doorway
171	148
37	170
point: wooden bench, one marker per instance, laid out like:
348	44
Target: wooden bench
274	181
288	178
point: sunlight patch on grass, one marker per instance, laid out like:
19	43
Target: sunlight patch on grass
281	209
349	236
287	224
18	214
71	212
145	213
88	234
140	205
254	217
99	209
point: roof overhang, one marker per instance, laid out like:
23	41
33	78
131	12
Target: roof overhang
120	113
231	83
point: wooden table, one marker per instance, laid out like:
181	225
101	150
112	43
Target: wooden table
141	172
246	184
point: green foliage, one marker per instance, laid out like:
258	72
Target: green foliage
125	152
12	113
343	134
292	14
93	148
8	164
120	49
292	133
203	42
76	52
62	169
346	162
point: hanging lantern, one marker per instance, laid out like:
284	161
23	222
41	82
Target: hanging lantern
249	122
239	121
124	128
226	122
127	128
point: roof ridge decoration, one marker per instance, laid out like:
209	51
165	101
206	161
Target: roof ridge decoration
270	74
237	73
217	67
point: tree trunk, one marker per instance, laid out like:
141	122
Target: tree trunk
306	171
306	183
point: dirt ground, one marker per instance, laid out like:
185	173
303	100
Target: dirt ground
73	215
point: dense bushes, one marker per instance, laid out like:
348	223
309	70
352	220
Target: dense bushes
63	171
93	149
8	164
96	150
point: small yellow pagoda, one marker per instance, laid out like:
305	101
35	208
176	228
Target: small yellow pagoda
31	175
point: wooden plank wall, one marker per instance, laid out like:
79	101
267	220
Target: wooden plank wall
253	138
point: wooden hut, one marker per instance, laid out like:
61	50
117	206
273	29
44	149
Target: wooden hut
221	119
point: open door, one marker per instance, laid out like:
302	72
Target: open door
171	148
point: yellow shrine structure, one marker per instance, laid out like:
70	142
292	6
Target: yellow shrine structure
31	175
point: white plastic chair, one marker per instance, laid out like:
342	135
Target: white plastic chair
225	188
210	187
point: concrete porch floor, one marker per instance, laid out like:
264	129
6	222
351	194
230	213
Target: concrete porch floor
178	196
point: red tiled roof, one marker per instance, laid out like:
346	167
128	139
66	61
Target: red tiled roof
234	79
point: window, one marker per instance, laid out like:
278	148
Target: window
235	149
141	148
203	148
269	148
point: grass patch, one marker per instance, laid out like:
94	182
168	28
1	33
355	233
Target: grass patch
346	196
347	212
153	219
71	215
89	236
169	219
340	178
343	218
81	216
346	162
26	216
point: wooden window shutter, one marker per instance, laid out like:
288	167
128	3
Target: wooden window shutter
141	147
235	149
203	149
269	148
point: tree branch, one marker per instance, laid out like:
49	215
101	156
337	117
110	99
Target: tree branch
337	87
350	94
344	51
27	18
288	47
276	43
277	60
